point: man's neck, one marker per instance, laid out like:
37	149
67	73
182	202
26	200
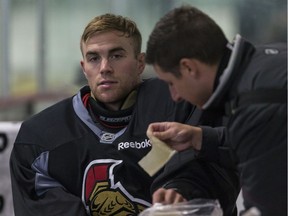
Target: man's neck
121	105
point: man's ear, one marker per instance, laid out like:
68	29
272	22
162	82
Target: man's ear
83	68
188	66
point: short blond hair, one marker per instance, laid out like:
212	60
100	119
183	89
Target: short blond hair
111	22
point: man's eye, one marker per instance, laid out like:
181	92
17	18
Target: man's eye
116	56
170	84
93	59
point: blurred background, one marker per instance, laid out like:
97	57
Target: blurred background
40	55
39	41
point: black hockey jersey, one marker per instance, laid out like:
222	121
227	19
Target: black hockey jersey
62	160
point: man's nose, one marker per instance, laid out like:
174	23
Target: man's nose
105	66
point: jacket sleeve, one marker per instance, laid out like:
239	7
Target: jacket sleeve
55	201
215	142
215	147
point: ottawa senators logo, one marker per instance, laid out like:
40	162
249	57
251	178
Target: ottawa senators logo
102	196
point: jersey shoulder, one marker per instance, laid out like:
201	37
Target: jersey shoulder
43	127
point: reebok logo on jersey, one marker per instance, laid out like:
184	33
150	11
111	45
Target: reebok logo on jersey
138	145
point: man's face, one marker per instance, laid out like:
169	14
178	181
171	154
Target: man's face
111	67
186	87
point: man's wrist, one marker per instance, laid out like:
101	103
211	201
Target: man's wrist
197	138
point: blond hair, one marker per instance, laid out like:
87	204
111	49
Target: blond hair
111	22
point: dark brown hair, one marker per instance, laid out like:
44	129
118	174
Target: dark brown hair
185	32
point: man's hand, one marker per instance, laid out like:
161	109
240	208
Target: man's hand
167	196
178	136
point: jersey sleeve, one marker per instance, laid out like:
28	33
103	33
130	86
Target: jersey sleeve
55	201
195	178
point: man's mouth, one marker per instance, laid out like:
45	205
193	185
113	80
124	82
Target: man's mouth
107	83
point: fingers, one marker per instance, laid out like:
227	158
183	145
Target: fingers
167	196
158	126
161	130
176	135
